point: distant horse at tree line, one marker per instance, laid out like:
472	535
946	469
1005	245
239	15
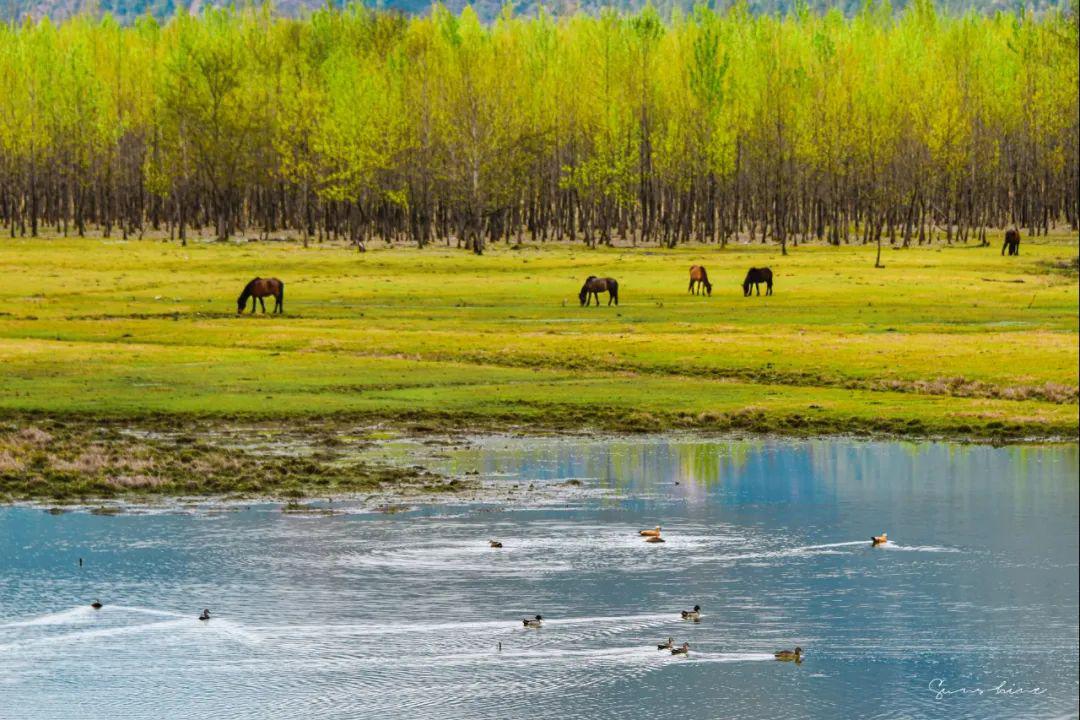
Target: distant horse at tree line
260	288
700	277
1012	242
594	286
755	277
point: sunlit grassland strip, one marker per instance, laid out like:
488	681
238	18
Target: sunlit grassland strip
955	341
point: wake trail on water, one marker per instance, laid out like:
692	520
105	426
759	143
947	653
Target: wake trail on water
64	617
830	549
85	612
918	548
849	543
617	622
94	634
80	616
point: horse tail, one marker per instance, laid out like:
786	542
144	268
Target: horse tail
613	288
281	296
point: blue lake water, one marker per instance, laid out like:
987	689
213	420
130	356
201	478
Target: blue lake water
367	614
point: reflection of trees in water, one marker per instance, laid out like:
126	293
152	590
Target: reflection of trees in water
906	467
640	465
772	470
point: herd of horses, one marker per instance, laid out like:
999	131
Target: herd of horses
261	288
699	283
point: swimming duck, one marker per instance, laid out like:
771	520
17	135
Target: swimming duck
786	655
694	614
655	539
879	539
684	650
205	614
533	622
668	645
650	533
96	605
494	543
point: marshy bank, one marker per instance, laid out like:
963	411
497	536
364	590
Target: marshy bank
385	464
76	461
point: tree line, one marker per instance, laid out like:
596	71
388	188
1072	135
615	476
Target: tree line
707	126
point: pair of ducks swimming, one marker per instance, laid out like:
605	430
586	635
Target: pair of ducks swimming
97	605
782	655
683	649
652	536
695	614
538	620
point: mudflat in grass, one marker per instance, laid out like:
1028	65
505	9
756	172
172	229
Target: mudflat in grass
955	341
76	461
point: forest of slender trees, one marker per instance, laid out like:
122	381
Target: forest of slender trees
363	125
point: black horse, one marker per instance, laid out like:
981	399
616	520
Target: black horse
756	276
594	286
1012	242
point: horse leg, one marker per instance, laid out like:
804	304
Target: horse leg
253	303
262	302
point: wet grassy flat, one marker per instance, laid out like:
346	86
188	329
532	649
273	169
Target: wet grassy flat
950	340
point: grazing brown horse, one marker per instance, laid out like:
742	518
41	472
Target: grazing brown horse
1012	242
594	286
699	276
258	289
755	277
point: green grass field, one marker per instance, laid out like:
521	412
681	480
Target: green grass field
956	341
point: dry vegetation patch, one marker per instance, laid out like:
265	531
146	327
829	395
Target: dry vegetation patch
82	460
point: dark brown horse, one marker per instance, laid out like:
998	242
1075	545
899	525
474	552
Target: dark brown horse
258	289
699	276
755	277
1012	242
594	286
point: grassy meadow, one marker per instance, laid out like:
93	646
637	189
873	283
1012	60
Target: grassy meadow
954	341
